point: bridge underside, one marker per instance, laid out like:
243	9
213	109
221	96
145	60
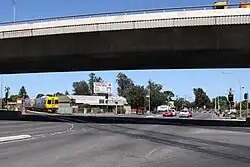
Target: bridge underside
131	61
171	48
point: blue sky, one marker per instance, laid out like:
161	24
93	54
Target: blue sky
214	82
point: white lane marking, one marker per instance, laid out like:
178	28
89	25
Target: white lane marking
150	153
149	116
11	138
14	141
57	132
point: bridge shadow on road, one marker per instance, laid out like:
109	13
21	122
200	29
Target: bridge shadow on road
219	149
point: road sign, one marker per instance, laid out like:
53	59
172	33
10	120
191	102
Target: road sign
102	87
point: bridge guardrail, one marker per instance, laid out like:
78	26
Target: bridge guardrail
125	12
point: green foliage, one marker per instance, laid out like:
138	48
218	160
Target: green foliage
243	105
81	88
223	102
136	96
124	84
13	98
93	78
58	94
201	98
168	95
121	110
39	95
22	93
157	97
7	92
182	103
66	92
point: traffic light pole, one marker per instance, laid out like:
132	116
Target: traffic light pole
247	104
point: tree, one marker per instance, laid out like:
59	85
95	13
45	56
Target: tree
136	96
243	105
49	95
179	103
157	97
182	103
81	88
39	95
7	92
66	92
93	78
13	98
223	102
124	84
168	95
22	93
201	98
58	94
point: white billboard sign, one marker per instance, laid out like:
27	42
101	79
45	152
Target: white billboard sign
102	87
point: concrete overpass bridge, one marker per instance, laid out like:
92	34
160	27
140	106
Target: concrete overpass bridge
190	37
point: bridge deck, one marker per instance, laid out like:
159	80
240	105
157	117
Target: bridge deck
128	22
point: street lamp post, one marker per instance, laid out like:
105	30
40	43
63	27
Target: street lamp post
149	107
14	10
241	100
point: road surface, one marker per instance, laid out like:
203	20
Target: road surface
110	145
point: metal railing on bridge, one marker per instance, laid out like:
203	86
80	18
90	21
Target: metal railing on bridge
125	12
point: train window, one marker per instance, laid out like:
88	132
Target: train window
49	101
56	101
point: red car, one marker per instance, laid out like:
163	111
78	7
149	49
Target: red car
190	114
167	114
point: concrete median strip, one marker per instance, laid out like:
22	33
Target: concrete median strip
13	138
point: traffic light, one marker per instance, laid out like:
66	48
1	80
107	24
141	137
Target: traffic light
246	96
230	97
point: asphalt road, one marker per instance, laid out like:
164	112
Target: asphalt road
196	115
111	145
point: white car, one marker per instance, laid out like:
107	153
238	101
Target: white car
185	113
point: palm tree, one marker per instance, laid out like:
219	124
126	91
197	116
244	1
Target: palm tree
7	91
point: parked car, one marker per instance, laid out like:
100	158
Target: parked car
185	113
167	113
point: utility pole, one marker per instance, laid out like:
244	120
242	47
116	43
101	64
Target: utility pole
149	98
149	95
247	104
116	102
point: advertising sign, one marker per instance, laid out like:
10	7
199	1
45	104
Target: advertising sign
102	87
